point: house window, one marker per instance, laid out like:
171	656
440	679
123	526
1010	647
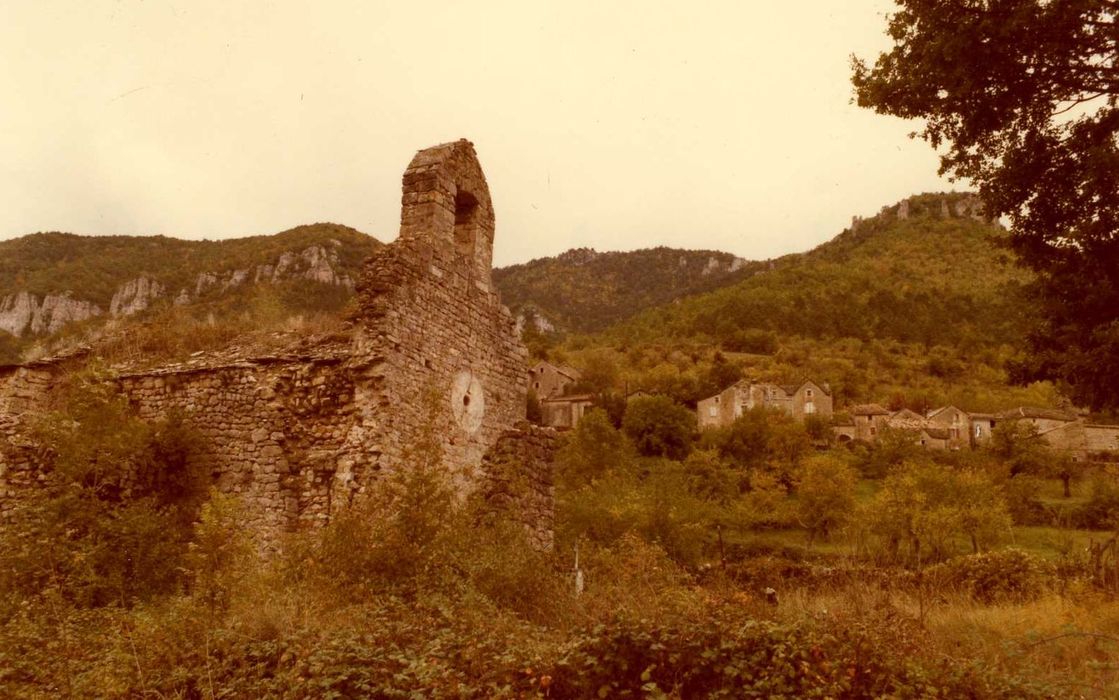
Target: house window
536	385
978	430
717	399
873	430
808	393
712	411
809	407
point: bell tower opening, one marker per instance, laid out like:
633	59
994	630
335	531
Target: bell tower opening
466	222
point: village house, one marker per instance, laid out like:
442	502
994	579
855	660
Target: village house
955	422
797	400
1083	441
565	411
1044	419
952	428
868	419
548	380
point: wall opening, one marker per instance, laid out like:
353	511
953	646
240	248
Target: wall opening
466	222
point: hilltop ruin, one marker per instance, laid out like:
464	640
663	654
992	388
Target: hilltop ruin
298	433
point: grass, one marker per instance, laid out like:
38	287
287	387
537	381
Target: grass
1055	542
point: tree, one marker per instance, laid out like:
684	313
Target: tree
1018	444
825	495
1021	96
659	427
929	507
594	449
762	438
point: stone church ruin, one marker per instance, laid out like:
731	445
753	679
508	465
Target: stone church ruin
299	432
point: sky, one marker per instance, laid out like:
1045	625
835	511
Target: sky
612	125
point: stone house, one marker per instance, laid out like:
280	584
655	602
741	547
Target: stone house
430	357
869	421
548	380
1044	419
956	423
981	426
932	438
1083	441
797	400
565	412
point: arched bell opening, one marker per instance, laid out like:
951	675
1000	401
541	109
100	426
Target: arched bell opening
466	223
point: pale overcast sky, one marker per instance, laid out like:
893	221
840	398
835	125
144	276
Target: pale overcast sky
615	125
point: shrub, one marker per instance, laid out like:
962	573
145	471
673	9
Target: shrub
110	522
995	577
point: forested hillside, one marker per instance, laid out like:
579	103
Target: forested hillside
93	267
584	290
927	279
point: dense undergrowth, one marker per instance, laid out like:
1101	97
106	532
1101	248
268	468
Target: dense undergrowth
114	583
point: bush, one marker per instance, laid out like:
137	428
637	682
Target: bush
1007	575
1101	510
726	655
109	524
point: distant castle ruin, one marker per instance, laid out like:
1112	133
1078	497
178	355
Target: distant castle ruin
299	432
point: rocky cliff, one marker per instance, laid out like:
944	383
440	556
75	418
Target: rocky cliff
50	280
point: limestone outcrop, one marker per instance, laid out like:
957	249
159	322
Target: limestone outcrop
27	313
135	296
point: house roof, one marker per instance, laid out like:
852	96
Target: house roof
868	409
571	398
1034	412
936	411
906	419
794	388
566	370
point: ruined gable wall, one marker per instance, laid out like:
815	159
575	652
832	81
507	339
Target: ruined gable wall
435	342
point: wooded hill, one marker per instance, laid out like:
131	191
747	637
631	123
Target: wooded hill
93	267
928	278
585	291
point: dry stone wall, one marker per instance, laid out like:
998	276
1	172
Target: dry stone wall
299	434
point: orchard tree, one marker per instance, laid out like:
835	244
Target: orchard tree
825	495
1020	98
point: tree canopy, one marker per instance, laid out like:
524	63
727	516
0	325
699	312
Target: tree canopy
1020	97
